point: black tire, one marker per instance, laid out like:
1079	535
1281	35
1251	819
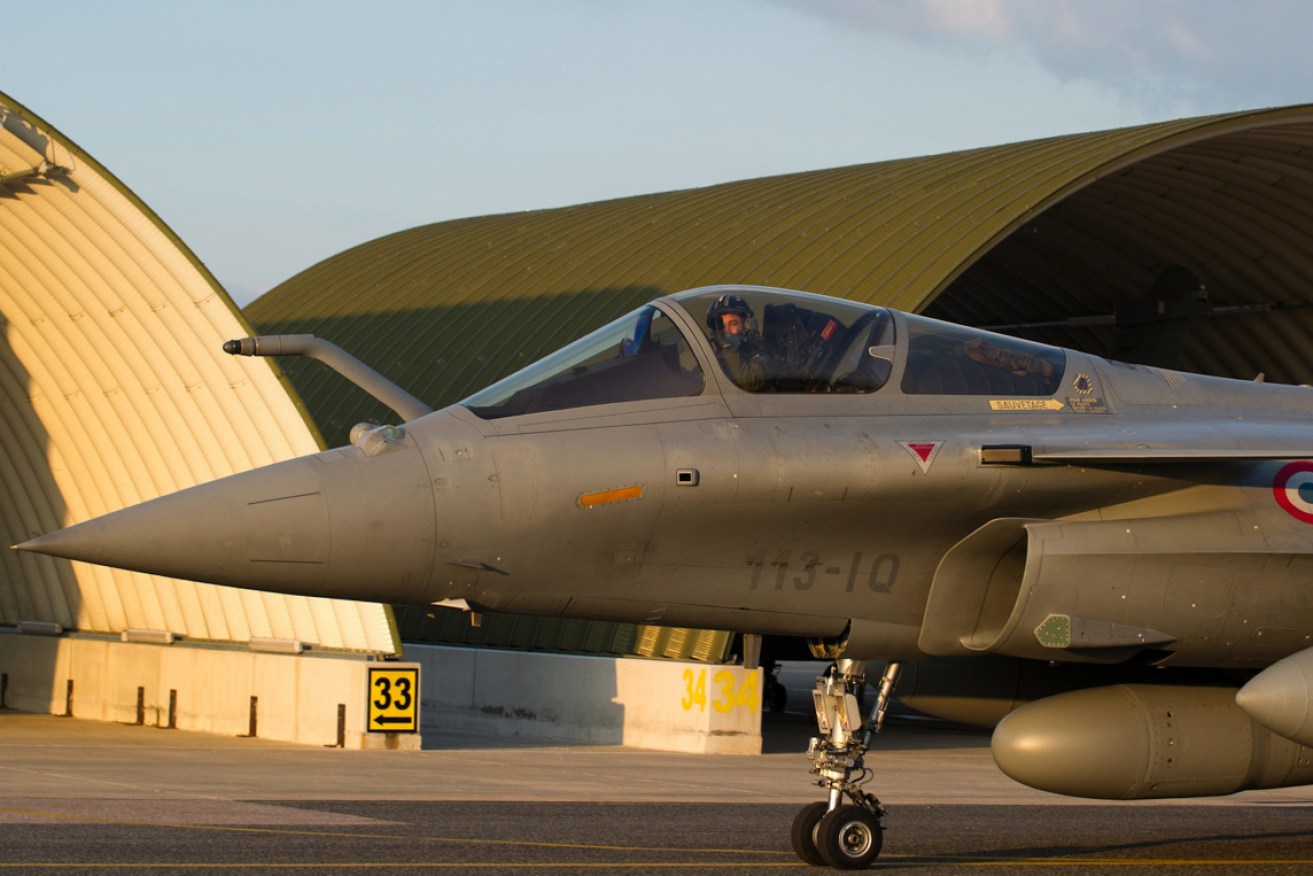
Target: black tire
803	834
777	696
849	838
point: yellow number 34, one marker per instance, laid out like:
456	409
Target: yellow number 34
730	695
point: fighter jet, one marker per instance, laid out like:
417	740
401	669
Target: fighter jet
887	486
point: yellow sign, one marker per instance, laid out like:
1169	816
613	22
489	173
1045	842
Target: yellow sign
393	699
1026	404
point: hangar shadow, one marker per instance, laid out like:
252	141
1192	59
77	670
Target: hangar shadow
34	589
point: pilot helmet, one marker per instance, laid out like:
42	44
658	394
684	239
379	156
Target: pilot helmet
730	303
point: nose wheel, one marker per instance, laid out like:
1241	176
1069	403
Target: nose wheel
844	835
850	837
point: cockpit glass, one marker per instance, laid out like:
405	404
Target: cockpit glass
948	359
777	341
640	356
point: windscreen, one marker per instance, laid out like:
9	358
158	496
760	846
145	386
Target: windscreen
640	356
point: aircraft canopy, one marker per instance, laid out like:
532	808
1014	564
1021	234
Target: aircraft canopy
782	342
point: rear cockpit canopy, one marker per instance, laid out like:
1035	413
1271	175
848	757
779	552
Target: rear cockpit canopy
948	359
771	341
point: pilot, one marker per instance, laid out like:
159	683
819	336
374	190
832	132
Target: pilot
737	342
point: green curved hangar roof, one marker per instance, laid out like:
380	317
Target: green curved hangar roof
1080	240
1064	235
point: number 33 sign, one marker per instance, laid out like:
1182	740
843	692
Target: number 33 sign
393	699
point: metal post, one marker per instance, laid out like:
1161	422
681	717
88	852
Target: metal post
751	650
255	708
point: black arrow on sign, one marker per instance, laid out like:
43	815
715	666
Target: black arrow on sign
381	721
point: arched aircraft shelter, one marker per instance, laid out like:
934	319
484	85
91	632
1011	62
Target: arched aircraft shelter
1066	236
1185	244
114	391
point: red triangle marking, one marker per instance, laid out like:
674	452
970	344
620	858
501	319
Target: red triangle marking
922	450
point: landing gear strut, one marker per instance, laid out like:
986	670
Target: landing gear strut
845	835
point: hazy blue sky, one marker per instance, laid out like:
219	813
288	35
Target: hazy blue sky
273	134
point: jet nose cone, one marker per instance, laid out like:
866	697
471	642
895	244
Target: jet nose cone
323	525
212	532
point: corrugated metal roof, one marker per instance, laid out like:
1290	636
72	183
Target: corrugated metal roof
1234	208
114	390
1061	227
1036	232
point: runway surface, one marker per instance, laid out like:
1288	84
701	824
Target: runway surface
85	797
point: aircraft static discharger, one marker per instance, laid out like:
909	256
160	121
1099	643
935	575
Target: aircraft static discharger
887	486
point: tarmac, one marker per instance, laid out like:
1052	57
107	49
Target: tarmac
88	797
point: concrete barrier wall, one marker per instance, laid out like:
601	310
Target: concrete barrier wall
656	704
204	689
653	704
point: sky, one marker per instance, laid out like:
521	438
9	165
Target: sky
272	134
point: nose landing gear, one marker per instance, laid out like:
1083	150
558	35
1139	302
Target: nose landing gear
844	835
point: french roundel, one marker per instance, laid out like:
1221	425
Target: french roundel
1293	489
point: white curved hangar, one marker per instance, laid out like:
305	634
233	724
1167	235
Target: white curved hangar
114	390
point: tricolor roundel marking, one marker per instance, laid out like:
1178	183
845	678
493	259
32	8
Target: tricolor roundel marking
1293	489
